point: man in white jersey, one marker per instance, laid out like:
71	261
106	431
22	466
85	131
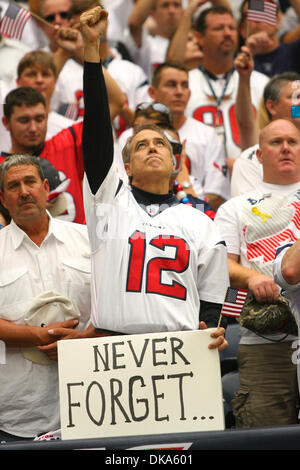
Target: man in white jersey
170	86
157	263
214	84
254	226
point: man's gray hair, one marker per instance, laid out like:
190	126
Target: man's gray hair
19	159
153	127
273	88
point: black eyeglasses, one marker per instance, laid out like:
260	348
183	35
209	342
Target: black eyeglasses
63	14
176	146
159	107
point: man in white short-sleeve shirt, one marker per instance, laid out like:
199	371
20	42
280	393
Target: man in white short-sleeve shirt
254	226
40	255
214	84
279	95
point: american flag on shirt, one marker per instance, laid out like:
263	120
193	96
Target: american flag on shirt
13	20
234	302
262	11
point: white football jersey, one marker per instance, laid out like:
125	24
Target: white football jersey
206	158
202	104
247	172
151	265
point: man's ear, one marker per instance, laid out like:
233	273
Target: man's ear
5	123
151	92
46	186
270	106
259	155
127	169
2	199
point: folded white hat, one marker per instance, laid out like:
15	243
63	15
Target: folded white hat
45	309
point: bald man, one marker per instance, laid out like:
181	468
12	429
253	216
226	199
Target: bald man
254	226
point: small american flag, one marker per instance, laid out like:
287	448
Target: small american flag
13	21
262	11
234	302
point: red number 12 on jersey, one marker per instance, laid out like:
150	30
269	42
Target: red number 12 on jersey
155	266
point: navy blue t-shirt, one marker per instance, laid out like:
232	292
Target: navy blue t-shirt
285	58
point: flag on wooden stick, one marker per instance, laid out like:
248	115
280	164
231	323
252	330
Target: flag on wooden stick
234	302
262	11
13	20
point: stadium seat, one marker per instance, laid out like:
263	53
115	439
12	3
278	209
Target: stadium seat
228	357
230	385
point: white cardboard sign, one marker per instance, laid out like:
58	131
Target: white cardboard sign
139	384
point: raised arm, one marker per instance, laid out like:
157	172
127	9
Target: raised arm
294	34
243	106
177	47
97	138
137	18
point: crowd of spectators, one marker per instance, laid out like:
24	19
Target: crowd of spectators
89	91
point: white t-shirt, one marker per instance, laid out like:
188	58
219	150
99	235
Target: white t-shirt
247	172
149	272
29	398
254	225
202	104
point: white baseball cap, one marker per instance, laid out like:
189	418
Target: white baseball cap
45	309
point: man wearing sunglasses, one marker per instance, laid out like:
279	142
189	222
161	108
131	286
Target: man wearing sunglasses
55	12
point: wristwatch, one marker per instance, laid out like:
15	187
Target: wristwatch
186	184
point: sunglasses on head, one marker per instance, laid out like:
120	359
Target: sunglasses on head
63	14
159	107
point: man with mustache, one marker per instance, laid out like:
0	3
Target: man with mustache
42	259
214	84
